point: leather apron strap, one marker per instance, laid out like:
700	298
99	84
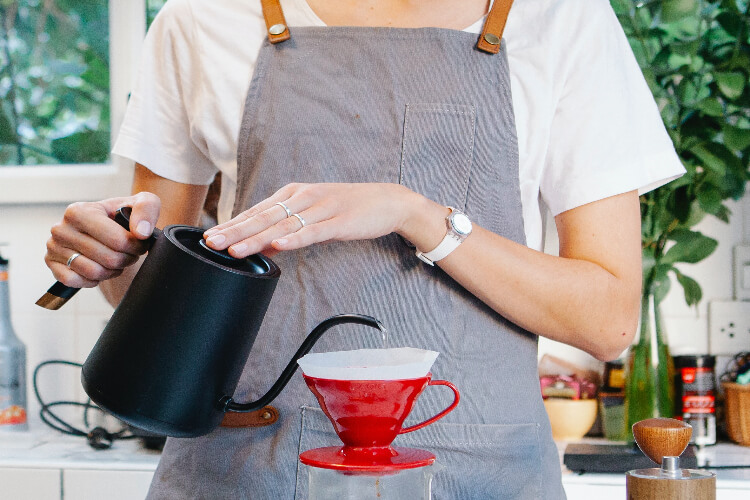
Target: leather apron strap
259	418
278	31
489	39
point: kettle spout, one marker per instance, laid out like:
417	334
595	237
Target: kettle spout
226	403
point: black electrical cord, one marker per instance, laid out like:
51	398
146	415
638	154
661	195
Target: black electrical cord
98	438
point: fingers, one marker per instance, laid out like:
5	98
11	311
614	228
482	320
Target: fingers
255	234
82	272
119	253
145	212
316	233
105	248
360	211
245	225
282	195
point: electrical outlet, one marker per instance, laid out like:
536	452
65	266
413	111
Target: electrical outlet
728	327
742	272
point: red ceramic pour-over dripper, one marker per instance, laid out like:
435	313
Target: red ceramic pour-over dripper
367	415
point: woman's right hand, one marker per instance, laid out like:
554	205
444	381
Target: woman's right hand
105	248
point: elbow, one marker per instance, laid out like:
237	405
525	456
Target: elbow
618	324
614	339
612	350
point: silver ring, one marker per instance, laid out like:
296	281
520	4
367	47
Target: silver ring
299	218
71	259
286	209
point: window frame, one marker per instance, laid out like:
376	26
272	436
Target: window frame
68	183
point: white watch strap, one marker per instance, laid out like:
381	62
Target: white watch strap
449	243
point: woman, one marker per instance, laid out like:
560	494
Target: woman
374	125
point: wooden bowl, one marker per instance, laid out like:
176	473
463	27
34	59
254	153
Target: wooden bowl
570	419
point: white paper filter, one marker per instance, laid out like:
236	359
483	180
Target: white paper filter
369	364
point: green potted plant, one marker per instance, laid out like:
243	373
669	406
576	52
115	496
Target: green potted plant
695	56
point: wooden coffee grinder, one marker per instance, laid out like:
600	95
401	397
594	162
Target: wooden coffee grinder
663	440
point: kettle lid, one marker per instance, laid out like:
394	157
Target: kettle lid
190	240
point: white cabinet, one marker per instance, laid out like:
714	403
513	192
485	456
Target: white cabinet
81	484
72	484
45	465
30	484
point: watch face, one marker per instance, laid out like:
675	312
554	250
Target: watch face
461	223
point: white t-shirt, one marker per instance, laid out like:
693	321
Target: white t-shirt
587	124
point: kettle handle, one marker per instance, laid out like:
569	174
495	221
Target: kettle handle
226	403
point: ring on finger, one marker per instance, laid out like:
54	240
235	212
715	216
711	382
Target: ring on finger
286	209
71	259
299	218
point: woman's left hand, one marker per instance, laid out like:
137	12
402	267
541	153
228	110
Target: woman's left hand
316	213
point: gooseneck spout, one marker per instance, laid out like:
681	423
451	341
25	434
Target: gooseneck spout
226	403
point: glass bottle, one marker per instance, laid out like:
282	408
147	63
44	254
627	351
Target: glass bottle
12	364
649	371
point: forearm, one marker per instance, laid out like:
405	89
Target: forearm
571	300
568	300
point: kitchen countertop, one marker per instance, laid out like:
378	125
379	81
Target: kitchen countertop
54	450
719	455
49	449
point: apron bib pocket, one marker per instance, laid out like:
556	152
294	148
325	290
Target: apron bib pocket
503	462
437	151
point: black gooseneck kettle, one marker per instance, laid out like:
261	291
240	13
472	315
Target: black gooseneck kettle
173	351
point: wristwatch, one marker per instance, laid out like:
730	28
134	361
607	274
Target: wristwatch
459	227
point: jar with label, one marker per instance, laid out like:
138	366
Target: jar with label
695	391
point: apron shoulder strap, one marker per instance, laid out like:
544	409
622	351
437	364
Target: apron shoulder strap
278	31
489	40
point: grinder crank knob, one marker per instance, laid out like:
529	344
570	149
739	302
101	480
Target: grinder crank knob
662	437
663	440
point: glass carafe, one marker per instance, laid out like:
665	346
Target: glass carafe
407	484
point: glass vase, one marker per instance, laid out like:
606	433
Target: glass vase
649	383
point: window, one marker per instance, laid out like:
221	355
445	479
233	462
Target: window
66	68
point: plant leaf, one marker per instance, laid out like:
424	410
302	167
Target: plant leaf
731	84
690	247
674	10
732	23
710	106
679	203
716	157
692	289
676	61
735	137
696	214
723	214
709	199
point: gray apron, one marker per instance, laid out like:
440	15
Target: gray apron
423	108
